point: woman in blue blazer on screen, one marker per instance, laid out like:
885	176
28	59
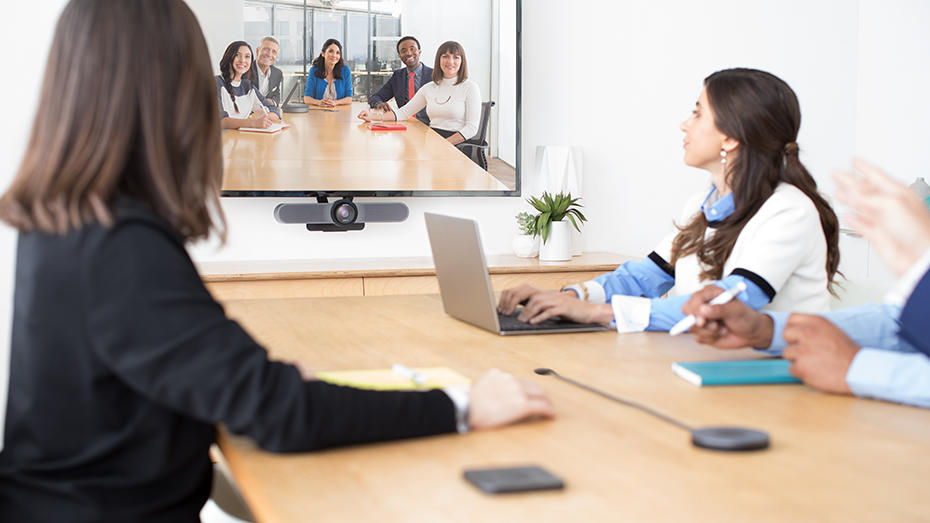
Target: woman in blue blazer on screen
329	82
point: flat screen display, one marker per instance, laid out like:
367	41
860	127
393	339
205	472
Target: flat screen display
329	151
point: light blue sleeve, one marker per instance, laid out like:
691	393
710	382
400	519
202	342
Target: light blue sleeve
639	278
887	367
892	376
666	312
869	325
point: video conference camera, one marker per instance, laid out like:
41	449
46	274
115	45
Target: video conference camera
341	215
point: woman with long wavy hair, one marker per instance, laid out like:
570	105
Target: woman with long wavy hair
241	103
329	80
762	222
121	362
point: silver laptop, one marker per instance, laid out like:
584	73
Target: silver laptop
465	286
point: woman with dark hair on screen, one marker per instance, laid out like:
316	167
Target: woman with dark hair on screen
452	101
122	364
241	103
762	222
329	81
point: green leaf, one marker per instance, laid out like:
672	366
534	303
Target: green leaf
545	218
578	213
537	204
549	201
572	219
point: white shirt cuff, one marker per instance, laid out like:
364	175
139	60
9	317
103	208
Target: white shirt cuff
631	313
461	400
596	292
903	288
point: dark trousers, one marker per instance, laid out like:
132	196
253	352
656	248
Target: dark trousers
445	134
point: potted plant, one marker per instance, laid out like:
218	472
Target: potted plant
525	242
552	226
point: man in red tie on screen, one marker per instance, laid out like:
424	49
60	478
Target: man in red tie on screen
405	81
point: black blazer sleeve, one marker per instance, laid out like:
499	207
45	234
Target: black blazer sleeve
915	327
157	328
386	92
275	84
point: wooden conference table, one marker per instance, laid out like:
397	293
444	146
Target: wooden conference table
332	150
832	458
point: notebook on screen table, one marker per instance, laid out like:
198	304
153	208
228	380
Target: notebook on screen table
465	286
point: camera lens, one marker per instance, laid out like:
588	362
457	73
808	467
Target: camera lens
344	212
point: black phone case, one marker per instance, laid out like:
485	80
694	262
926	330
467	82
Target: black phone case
513	479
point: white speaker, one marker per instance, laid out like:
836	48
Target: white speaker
341	215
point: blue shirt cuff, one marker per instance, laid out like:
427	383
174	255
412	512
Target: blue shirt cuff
778	343
890	376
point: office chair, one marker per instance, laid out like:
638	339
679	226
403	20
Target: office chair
477	147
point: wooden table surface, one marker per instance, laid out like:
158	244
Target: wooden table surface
832	458
335	151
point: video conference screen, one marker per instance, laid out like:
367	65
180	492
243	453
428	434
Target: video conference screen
326	148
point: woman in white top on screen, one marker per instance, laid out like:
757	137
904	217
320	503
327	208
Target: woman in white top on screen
762	221
241	104
452	101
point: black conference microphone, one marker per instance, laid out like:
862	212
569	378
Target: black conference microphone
714	438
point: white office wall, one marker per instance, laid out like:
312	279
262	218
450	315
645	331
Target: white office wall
893	105
433	22
892	111
619	77
221	22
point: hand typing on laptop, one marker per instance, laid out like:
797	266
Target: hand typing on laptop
540	305
465	286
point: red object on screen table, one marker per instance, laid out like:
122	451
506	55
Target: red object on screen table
387	127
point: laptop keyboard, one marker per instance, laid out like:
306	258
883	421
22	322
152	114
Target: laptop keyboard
511	323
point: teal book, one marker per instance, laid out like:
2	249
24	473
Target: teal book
738	372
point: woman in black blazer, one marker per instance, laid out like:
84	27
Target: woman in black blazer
122	364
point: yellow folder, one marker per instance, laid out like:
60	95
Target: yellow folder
386	379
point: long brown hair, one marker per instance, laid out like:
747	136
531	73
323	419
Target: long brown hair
155	141
453	48
761	112
226	64
320	61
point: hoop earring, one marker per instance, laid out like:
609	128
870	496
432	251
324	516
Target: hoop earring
723	156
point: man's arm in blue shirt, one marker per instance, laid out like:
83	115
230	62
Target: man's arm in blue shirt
886	367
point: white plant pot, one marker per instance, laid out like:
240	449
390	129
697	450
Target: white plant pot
577	242
525	246
559	245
